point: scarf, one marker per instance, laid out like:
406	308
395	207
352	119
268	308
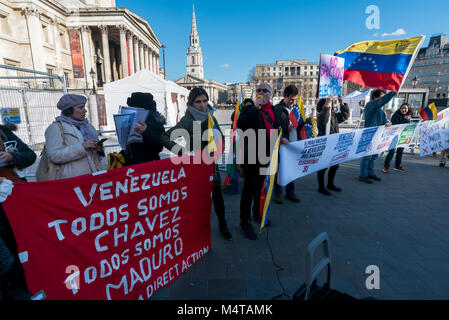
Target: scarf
266	109
199	115
82	126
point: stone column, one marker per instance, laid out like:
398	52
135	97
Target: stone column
58	46
142	59
106	54
36	40
124	51
88	55
136	54
157	63
145	54
131	52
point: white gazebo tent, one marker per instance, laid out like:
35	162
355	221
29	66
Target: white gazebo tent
171	99
353	100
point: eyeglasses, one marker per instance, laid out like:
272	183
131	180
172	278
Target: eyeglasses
263	90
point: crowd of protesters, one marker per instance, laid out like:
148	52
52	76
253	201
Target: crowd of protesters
73	149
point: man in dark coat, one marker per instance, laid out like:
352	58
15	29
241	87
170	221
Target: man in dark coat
151	131
284	108
261	117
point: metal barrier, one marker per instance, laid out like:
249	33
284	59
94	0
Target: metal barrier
36	95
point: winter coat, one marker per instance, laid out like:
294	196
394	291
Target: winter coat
25	157
149	150
374	115
71	156
399	118
284	113
323	119
186	125
251	118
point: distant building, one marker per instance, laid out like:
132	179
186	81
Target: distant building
195	70
431	71
234	89
301	73
73	37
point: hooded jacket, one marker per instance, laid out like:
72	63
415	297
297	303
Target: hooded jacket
374	115
25	157
284	113
149	150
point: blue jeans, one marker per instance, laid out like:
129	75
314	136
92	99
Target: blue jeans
290	188
367	166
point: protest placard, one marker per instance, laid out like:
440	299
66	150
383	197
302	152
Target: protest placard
332	71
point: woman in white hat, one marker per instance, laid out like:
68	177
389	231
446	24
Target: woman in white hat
72	142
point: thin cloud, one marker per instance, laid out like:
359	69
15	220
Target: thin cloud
226	65
399	32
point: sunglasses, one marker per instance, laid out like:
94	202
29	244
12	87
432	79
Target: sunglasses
263	90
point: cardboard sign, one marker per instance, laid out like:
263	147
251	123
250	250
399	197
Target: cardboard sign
332	71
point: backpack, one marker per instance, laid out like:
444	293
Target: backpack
46	169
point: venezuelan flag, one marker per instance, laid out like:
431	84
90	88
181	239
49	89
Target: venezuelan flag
308	131
215	141
231	182
298	116
267	189
429	112
380	64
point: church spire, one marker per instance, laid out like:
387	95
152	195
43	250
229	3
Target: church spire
194	53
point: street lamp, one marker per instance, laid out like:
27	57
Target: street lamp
92	74
414	82
163	57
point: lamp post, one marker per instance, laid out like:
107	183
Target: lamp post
163	57
414	82
92	74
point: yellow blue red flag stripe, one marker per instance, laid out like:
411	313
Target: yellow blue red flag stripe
380	64
267	189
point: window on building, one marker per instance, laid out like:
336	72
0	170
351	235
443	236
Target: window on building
193	70
51	81
45	33
4	26
66	77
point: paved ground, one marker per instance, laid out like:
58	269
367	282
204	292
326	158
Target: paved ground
400	224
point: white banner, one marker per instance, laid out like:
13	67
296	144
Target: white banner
434	136
301	158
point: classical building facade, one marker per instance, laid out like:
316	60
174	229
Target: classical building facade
195	70
431	71
74	37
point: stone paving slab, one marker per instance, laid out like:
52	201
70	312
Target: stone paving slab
400	225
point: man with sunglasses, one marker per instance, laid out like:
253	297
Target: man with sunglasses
262	116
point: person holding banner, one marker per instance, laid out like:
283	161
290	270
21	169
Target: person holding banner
328	120
403	115
284	108
151	131
72	142
254	118
374	117
198	110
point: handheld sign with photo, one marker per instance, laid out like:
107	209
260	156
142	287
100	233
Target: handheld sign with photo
332	70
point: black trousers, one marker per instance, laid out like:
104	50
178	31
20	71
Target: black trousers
251	192
217	199
399	153
331	176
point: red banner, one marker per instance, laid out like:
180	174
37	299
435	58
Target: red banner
120	235
77	53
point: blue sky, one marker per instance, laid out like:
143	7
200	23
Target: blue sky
237	35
